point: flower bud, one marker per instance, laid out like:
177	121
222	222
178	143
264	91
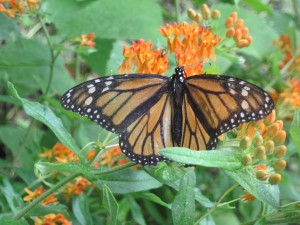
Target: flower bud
273	129
198	17
242	43
245	142
238	35
279	137
234	16
228	22
245	32
280	123
249	39
279	165
246	160
257	140
239	24
262	175
191	13
205	11
280	151
216	14
270	118
275	179
260	152
269	146
230	32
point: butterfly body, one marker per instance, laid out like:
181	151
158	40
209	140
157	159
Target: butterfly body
151	112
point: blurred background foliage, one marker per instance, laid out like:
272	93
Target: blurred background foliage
130	196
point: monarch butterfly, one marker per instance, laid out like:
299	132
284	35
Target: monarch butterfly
151	112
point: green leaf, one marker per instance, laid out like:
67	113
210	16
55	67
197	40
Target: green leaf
126	181
47	167
136	210
45	115
127	19
213	158
183	207
9	220
26	63
169	171
152	197
286	216
110	204
98	60
258	6
295	128
9	31
41	210
13	199
175	185
80	207
265	192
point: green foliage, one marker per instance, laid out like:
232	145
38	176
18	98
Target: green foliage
40	59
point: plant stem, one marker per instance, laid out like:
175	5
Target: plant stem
177	10
113	170
53	57
36	201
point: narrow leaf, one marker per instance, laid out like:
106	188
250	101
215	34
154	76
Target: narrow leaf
295	128
183	207
136	210
47	167
265	192
81	211
45	115
110	204
214	158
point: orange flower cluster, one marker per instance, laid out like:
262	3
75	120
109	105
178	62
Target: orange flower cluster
36	193
192	44
52	219
261	143
285	46
288	99
87	40
59	153
76	188
13	7
237	30
113	158
141	57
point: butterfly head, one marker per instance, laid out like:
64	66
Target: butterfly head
179	71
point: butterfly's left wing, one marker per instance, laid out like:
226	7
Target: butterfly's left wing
137	107
216	104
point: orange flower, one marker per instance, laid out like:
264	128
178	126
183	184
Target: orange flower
36	193
52	219
285	46
90	155
288	99
192	44
248	197
87	40
60	153
144	59
76	188
12	7
113	157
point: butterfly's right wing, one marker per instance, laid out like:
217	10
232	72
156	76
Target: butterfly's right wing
116	102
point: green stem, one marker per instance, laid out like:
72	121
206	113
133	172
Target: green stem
36	201
53	56
177	10
113	170
227	192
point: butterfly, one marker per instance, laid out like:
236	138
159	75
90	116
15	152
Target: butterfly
150	112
